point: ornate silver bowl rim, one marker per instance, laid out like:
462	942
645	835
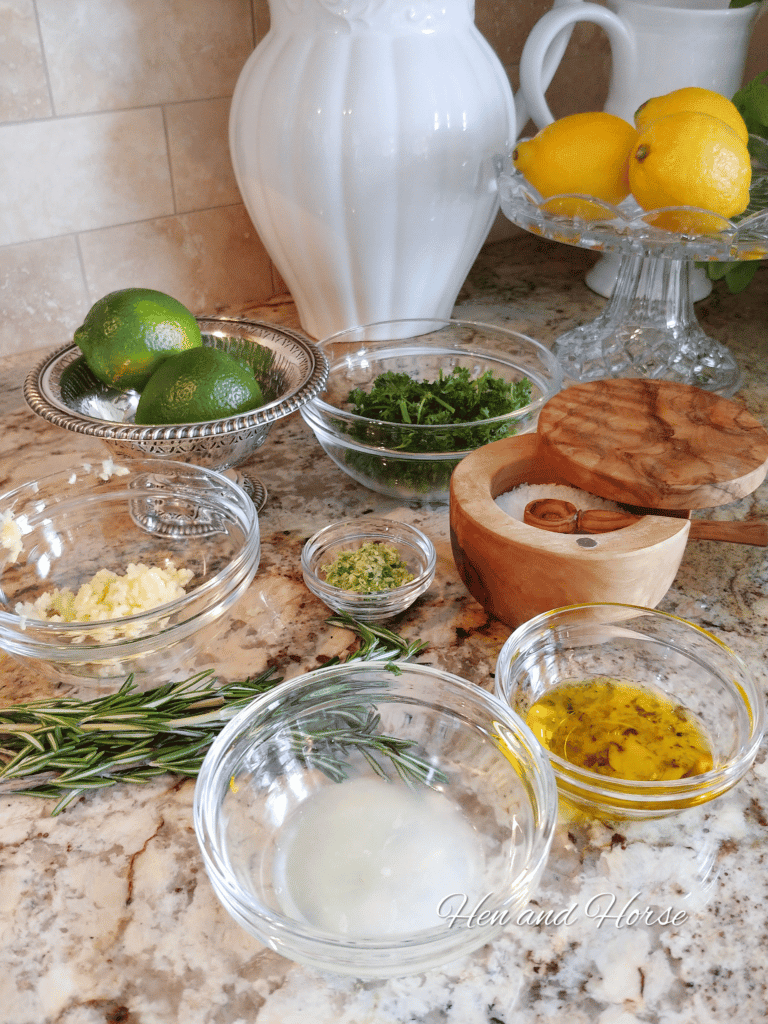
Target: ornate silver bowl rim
42	389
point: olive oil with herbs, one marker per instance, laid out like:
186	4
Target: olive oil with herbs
621	730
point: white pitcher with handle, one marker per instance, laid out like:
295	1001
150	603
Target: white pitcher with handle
656	46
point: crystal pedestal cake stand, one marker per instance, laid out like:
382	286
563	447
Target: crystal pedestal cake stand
648	327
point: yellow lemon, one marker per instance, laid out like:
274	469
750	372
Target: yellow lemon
690	159
585	154
691	99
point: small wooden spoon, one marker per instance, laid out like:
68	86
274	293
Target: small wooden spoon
551	514
559	516
753	532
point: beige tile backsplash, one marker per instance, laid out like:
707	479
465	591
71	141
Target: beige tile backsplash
114	164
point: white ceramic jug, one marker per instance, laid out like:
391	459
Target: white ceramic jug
367	137
656	46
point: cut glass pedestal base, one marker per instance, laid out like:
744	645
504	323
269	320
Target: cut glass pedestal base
649	329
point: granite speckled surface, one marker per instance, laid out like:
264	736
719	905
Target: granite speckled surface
106	914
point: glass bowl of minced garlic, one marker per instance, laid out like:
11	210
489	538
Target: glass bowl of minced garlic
109	569
641	712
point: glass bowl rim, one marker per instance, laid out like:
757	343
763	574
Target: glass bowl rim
471	349
364	528
225	742
230	574
628	790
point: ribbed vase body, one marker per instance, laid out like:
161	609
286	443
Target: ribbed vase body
366	139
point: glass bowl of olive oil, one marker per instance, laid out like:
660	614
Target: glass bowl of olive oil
642	713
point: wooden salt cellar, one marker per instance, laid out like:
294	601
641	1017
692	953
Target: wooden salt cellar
657	447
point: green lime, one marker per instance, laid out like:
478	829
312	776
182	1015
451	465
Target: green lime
129	333
198	385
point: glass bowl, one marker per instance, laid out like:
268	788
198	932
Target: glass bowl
372	451
290	369
75	522
413	547
648	649
338	856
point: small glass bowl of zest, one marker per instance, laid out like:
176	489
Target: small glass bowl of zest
643	714
372	822
370	552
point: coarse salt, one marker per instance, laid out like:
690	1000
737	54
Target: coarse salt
513	502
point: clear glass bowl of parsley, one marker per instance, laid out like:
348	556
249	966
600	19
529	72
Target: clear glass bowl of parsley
406	400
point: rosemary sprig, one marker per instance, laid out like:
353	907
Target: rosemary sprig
377	643
59	749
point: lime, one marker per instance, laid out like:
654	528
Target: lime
128	333
198	385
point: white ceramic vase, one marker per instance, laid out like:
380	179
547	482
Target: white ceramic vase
366	138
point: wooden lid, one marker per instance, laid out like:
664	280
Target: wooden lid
654	443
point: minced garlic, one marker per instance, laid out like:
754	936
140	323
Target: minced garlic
111	596
11	531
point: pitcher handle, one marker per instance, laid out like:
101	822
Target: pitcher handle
534	66
551	62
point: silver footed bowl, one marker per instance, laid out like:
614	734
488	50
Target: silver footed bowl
290	370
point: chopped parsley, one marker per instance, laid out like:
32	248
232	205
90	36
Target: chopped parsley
454	398
460	412
369	569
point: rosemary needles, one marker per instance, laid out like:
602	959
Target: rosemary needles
64	747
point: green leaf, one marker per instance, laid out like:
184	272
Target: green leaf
736	275
739	275
741	3
752	103
716	271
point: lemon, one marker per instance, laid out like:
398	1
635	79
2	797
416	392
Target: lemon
198	385
128	333
691	99
583	153
690	159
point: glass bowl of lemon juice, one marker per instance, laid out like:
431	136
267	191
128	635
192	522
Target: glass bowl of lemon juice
354	819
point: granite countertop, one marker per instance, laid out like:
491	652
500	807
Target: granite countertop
107	916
